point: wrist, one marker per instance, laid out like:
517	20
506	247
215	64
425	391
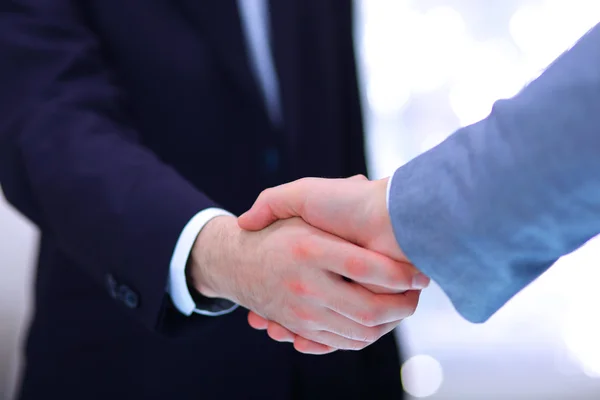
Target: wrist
385	240
211	255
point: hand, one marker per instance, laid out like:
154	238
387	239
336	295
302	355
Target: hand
293	274
354	209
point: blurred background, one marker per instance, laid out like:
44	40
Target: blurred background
428	67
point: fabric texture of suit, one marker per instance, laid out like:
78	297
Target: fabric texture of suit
495	205
120	120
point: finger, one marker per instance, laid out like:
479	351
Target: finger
361	265
342	326
307	346
379	289
256	321
360	305
359	177
304	345
258	217
320	341
279	333
355	332
320	330
329	321
332	340
289	200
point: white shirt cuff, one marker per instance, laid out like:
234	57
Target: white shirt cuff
177	285
387	193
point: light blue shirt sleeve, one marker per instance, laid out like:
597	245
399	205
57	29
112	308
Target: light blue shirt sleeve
255	23
491	208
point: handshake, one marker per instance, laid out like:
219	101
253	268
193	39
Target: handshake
316	262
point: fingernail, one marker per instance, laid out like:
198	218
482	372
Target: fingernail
420	281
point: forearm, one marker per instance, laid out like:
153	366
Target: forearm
498	202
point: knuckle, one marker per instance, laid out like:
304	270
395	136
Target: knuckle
368	318
357	345
302	315
398	276
305	181
366	313
302	248
356	267
265	194
299	288
367	335
303	184
373	334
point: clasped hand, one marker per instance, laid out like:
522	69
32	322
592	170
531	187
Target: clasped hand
316	262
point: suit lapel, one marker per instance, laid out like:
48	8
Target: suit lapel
219	20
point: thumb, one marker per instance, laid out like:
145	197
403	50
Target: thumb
258	217
280	202
359	177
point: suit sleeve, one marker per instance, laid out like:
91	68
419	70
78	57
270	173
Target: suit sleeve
495	205
71	160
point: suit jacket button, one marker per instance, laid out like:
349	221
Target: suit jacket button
131	299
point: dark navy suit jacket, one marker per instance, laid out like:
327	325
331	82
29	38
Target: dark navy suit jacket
119	121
